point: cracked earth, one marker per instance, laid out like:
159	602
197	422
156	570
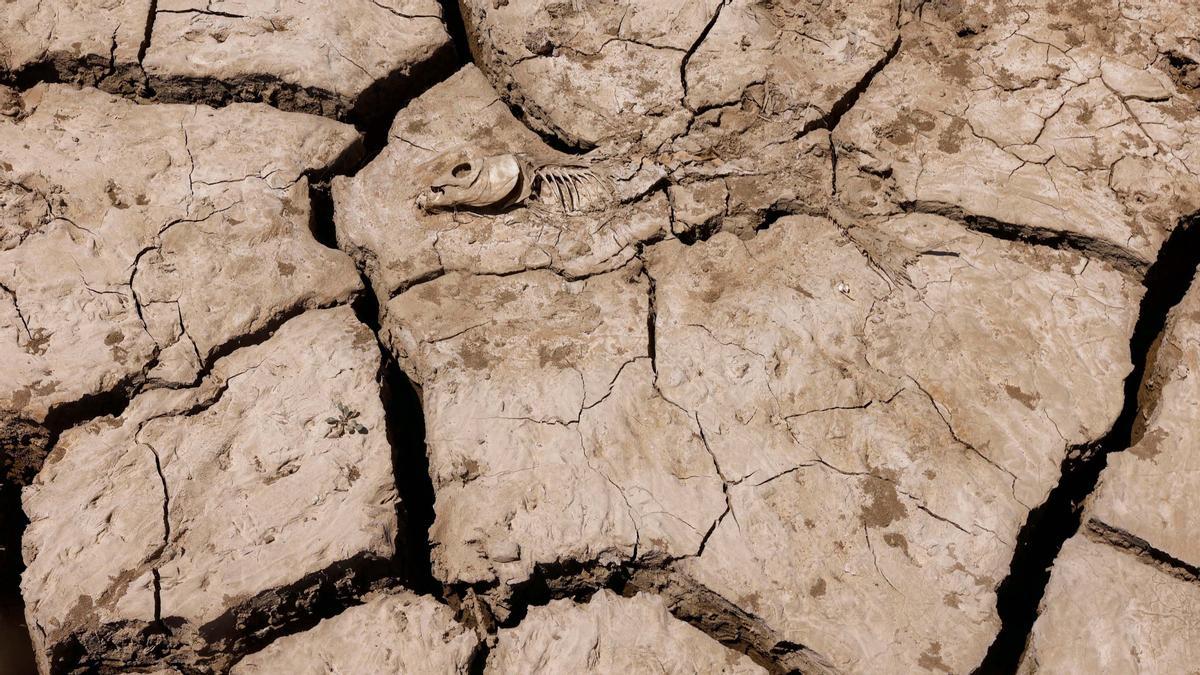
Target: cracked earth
872	346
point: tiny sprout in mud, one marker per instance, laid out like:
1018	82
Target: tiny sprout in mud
344	423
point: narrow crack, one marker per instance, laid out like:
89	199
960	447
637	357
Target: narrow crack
375	104
840	107
402	15
166	516
551	134
141	57
1092	247
249	339
478	664
111	402
453	19
321	222
961	441
17	308
687	57
1057	519
652	322
204	12
723	621
1142	549
404	418
686	599
771	216
724	490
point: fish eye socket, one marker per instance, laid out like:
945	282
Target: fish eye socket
460	170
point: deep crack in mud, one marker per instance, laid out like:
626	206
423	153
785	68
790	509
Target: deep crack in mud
1057	519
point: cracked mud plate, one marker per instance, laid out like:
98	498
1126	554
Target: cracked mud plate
497	336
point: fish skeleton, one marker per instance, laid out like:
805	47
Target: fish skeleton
498	182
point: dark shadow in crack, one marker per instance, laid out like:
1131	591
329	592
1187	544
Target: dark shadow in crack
58	67
23	448
1144	550
297	607
371	111
410	464
215	646
453	18
321	221
725	622
1057	519
478	664
686	599
16	652
1091	247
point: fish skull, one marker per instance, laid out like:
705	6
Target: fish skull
498	180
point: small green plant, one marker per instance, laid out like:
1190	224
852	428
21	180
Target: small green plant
344	423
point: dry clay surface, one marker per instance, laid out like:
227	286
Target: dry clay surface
619	336
1127	583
